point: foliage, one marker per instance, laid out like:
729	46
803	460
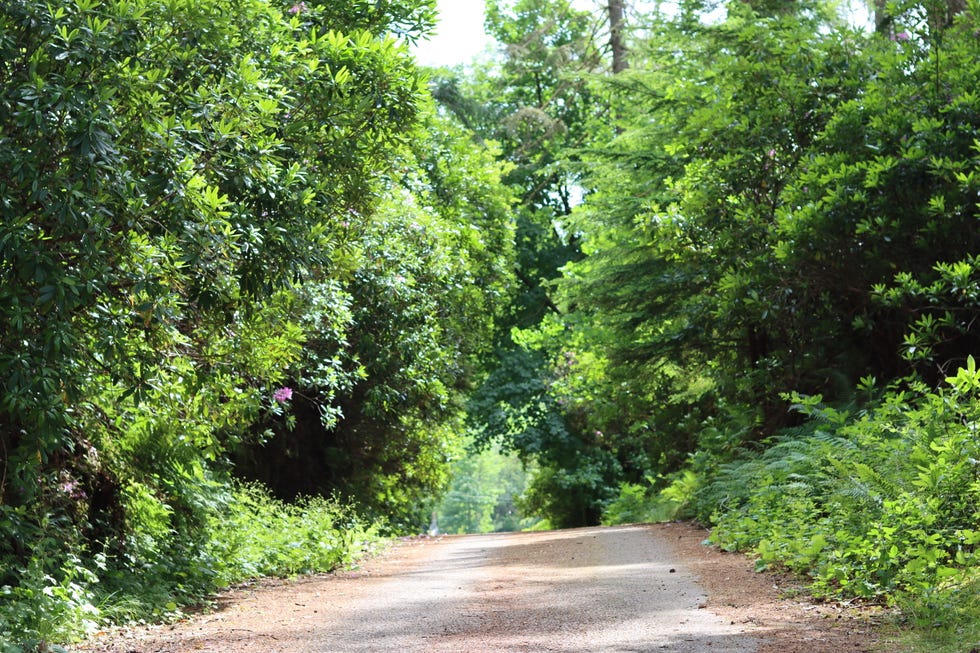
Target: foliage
943	621
536	102
571	490
539	101
379	391
679	288
941	304
873	504
250	535
256	535
483	494
43	608
192	194
740	231
574	471
652	501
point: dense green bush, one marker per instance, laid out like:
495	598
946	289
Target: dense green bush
392	348
652	501
873	504
248	535
257	535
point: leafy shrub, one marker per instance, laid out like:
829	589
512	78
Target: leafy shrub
258	535
638	503
877	503
44	607
250	534
630	507
945	619
572	495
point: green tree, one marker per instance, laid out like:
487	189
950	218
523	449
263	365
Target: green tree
682	313
169	172
773	170
537	101
379	396
537	104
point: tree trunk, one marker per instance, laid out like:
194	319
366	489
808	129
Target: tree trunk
942	16
882	18
956	7
616	44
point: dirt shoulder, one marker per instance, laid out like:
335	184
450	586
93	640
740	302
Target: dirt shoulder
775	603
627	588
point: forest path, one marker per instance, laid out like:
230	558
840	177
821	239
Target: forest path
617	589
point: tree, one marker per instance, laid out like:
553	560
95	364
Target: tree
682	314
742	221
539	104
378	396
173	175
881	17
615	9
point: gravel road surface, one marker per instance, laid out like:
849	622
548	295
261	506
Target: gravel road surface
613	589
618	589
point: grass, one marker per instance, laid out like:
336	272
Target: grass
946	622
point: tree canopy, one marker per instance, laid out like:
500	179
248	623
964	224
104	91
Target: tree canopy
231	232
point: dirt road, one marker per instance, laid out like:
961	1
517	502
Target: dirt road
618	589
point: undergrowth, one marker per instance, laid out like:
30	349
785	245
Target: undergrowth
263	536
880	504
874	505
945	621
58	599
651	502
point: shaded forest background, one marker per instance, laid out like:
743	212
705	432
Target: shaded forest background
270	291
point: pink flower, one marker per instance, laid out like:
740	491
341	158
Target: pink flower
72	489
297	8
902	36
282	395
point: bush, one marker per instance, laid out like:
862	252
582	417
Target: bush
947	619
47	607
879	504
61	597
258	535
639	503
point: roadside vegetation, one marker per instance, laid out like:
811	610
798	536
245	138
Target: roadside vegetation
763	314
271	292
239	246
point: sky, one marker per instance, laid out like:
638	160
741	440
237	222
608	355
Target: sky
459	35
